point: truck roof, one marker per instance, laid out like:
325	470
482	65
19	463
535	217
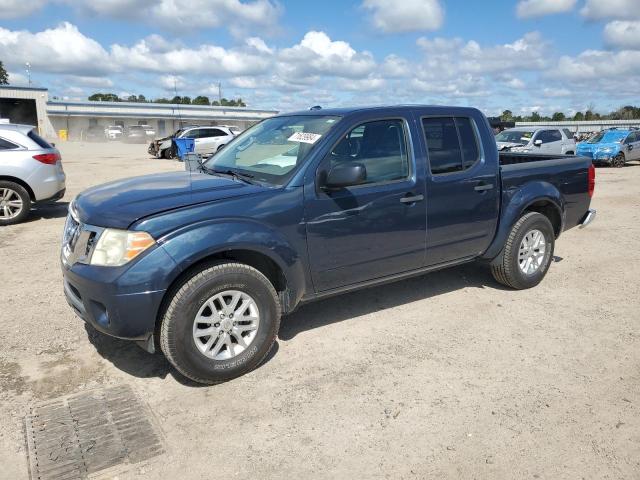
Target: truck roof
343	111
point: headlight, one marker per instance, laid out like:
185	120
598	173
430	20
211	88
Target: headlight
117	247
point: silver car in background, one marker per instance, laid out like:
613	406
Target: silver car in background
546	140
30	172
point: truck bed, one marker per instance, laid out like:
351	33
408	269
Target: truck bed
566	173
509	158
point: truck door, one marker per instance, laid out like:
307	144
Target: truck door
462	189
374	229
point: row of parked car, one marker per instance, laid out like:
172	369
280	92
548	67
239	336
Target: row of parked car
131	134
614	146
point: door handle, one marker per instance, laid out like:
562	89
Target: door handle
412	198
483	186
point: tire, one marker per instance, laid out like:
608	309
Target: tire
618	161
178	328
15	203
569	153
506	269
167	153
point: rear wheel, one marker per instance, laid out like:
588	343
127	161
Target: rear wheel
15	203
527	254
221	323
618	161
168	153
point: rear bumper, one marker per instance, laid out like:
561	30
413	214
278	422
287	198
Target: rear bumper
589	217
53	198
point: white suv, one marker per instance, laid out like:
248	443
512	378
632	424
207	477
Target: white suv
547	140
208	140
30	172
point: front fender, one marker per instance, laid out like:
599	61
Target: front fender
514	202
191	244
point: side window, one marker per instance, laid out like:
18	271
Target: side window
215	132
7	145
556	136
38	139
568	133
548	136
451	142
195	133
380	146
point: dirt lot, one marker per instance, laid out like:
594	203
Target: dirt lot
447	375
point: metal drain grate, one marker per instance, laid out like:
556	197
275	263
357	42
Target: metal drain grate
75	436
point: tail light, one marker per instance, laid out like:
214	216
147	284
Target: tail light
592	179
48	158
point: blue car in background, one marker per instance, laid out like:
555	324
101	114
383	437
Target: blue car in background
613	147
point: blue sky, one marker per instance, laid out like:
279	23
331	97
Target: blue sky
525	55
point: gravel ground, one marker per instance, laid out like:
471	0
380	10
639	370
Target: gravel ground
447	375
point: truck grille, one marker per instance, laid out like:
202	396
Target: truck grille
78	239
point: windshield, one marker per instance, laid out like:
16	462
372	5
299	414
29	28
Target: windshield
514	136
608	137
270	150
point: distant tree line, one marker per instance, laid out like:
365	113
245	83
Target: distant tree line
199	100
4	76
627	112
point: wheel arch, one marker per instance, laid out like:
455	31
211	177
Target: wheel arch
22	183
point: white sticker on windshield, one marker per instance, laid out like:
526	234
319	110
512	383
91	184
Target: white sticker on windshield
304	137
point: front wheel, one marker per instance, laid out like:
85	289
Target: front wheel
168	153
221	323
527	254
618	161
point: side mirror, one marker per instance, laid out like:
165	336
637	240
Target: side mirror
537	143
346	176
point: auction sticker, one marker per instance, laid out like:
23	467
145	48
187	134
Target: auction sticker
304	137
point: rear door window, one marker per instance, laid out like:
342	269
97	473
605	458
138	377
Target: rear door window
568	133
7	145
452	144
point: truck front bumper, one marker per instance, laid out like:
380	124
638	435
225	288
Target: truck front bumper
122	302
589	217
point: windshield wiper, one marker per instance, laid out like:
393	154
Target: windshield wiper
245	177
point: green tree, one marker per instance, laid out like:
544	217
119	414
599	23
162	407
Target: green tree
507	116
558	117
588	115
535	117
4	76
142	99
201	100
579	116
132	98
162	100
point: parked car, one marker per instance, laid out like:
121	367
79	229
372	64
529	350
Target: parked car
613	147
208	140
546	140
203	264
113	132
94	134
149	131
136	134
30	172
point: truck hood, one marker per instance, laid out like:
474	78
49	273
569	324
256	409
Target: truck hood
507	145
118	204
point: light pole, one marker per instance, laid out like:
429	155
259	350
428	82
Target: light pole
28	65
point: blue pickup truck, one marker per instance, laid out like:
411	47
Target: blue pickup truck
302	206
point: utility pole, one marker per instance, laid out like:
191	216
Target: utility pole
28	65
220	92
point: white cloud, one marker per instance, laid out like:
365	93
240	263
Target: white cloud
391	16
178	15
601	9
623	34
19	8
539	8
18	79
61	50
